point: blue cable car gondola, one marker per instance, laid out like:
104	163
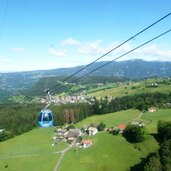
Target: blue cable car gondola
45	119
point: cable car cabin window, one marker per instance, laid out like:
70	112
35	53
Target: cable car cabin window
47	117
50	116
40	117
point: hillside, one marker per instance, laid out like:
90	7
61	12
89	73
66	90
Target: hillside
112	119
30	151
34	150
114	150
137	87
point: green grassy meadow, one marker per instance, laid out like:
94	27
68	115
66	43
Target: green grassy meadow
162	114
30	151
112	119
45	162
108	153
134	88
33	150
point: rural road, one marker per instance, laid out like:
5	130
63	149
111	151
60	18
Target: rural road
62	155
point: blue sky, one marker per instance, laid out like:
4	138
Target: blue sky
46	34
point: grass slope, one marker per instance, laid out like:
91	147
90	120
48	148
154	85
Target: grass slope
108	153
30	151
33	150
162	114
134	88
112	119
36	163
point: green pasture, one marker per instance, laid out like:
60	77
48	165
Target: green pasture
108	153
134	88
42	162
161	114
112	119
30	151
34	151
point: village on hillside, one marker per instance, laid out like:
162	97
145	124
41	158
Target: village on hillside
83	137
81	98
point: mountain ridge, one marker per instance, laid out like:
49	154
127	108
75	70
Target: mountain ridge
11	83
131	69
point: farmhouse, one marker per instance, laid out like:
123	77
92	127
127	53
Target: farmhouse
61	131
73	134
92	131
86	143
121	127
152	109
70	135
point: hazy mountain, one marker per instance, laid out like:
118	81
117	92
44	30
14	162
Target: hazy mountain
132	69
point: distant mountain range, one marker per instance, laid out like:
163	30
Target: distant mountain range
131	69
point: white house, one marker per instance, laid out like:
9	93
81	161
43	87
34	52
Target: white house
152	109
92	131
61	131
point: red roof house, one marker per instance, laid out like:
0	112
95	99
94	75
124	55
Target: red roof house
122	127
86	143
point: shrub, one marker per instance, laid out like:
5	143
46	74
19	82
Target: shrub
135	133
101	126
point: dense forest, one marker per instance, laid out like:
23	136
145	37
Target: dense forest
19	118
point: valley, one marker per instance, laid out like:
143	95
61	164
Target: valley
34	147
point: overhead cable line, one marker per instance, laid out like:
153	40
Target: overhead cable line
143	44
4	17
112	50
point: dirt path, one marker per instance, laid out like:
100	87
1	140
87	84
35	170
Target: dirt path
30	155
62	152
62	155
138	117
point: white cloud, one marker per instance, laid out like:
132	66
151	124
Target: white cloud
70	42
4	60
19	49
155	52
152	52
91	48
119	50
125	48
95	48
57	53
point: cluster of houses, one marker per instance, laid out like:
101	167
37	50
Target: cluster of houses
69	99
75	136
117	130
81	98
120	128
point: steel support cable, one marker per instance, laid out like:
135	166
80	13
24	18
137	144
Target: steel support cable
143	44
140	32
